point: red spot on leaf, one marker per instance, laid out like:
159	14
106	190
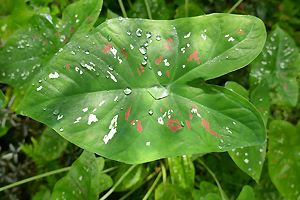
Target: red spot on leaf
124	52
168	43
188	124
168	73
132	122
205	124
127	113
68	66
160	109
139	126
141	69
158	60
107	48
194	56
191	116
174	125
72	29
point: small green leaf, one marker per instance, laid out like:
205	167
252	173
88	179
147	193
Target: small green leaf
158	8
276	64
249	159
194	9
237	88
182	171
247	193
132	180
49	146
122	92
43	194
84	180
170	192
284	158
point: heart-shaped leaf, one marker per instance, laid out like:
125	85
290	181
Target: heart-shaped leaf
121	91
276	64
284	158
30	48
251	159
85	180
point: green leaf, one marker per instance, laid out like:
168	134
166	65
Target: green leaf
158	8
182	171
132	180
85	179
194	9
30	48
276	64
43	194
109	101
49	146
247	193
284	158
237	88
259	96
169	192
249	159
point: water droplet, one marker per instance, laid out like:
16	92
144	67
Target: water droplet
148	34
158	92
87	52
108	38
127	91
56	112
61	129
128	33
158	37
150	112
139	32
143	50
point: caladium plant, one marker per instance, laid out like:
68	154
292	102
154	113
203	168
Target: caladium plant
134	90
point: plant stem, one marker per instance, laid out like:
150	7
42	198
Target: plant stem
152	187
148	9
164	172
214	177
118	183
122	8
186	8
34	178
130	3
235	6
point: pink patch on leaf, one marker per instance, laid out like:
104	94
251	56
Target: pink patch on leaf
107	48
168	43
124	52
194	56
127	113
68	66
174	125
141	69
188	124
168	73
158	60
191	116
139	126
205	124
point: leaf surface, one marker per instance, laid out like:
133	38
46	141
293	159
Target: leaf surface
284	158
122	92
85	179
276	64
